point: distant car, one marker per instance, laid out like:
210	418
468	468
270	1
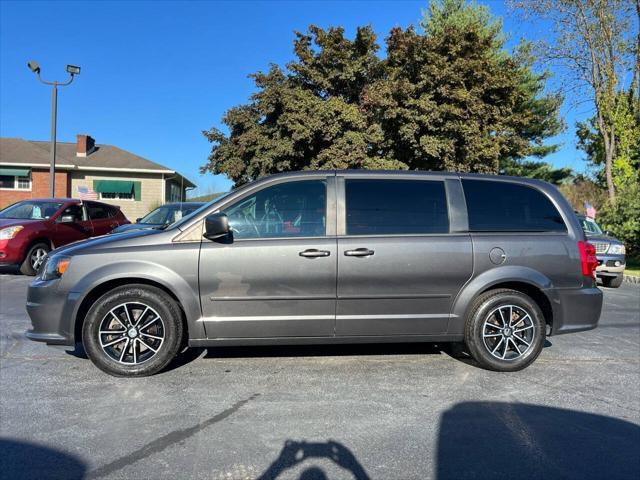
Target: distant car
610	253
161	216
32	228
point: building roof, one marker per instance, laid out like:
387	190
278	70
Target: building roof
33	153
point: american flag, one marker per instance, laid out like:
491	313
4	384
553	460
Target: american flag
590	210
87	193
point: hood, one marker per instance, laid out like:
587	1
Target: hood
601	237
134	226
105	242
10	222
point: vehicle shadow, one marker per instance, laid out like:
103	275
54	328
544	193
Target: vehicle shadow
294	454
24	460
515	440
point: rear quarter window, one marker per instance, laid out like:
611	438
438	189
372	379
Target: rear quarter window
509	207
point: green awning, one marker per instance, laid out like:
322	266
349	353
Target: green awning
113	186
14	172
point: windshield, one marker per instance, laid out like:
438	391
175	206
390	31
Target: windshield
31	210
204	207
590	226
161	215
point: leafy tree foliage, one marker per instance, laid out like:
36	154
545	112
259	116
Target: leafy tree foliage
621	217
449	98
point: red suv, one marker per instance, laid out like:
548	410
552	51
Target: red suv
31	228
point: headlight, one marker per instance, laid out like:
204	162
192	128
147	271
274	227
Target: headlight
617	249
55	267
10	232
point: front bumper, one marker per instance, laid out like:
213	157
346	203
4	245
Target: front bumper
607	265
51	313
576	310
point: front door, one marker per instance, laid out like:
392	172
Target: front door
399	268
275	276
69	232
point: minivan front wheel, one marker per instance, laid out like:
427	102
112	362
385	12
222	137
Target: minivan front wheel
133	330
505	330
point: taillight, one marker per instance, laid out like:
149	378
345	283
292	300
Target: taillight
588	259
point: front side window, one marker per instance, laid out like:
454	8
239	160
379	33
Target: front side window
391	207
76	211
590	226
293	209
503	207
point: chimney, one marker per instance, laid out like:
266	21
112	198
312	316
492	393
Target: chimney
85	145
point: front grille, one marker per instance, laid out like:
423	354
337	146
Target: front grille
601	247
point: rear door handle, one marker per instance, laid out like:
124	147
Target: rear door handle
314	253
359	252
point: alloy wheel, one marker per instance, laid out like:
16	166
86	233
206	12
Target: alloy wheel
508	332
131	333
37	257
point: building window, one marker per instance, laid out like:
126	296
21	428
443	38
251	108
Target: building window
175	192
9	181
116	196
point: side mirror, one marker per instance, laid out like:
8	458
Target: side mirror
67	219
138	219
216	225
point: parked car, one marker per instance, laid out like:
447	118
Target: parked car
331	257
31	228
161	216
610	253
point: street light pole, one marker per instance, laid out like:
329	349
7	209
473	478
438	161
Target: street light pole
72	70
52	147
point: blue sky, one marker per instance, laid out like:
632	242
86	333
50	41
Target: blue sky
155	74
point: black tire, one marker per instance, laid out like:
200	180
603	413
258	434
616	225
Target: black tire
488	304
135	298
29	265
612	282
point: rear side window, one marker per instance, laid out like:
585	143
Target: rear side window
97	211
504	207
387	207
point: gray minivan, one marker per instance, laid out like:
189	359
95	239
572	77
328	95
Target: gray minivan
330	257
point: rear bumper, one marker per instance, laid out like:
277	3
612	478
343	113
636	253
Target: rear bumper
51	313
576	310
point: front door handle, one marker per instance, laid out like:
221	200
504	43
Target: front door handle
314	253
359	252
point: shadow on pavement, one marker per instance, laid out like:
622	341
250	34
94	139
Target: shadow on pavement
23	460
515	440
295	453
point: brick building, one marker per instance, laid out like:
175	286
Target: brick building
114	175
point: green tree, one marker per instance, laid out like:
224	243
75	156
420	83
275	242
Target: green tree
594	46
535	169
449	98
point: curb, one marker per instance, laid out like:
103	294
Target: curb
631	279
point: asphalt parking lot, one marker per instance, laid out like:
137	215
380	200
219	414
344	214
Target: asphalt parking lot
378	411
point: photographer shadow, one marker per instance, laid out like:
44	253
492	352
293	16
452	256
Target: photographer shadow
295	453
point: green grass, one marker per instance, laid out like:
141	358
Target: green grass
632	268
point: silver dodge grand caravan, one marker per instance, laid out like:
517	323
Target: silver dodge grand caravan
330	257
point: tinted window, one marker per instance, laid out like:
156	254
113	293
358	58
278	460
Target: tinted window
97	211
76	211
293	209
502	206
378	207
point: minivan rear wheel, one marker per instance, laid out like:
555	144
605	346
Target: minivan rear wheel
505	330
133	331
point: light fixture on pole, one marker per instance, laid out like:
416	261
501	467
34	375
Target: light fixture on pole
72	70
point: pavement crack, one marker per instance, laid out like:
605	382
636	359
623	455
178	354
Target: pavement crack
162	443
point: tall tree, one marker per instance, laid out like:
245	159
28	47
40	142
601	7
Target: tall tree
449	98
593	43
